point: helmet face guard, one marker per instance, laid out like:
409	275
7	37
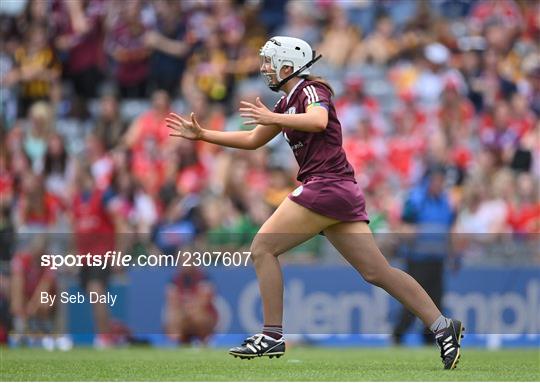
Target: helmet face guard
286	51
268	75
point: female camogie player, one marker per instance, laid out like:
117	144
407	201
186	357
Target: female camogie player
329	199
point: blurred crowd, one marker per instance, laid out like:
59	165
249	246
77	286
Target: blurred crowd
439	102
86	84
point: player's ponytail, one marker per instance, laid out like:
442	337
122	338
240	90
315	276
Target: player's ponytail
311	77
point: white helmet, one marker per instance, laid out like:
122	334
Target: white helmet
287	51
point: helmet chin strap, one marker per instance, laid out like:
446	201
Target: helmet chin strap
277	87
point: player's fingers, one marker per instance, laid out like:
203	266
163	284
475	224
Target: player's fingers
174	128
175	135
249	115
194	120
171	121
173	124
174	116
245	109
260	103
251	122
178	117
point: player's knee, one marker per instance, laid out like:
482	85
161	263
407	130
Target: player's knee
260	249
374	277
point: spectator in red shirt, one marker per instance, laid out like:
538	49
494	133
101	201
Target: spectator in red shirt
531	12
355	103
504	12
190	312
90	216
35	206
409	116
524	209
6	177
100	161
401	152
363	144
523	118
409	138
94	231
147	137
28	281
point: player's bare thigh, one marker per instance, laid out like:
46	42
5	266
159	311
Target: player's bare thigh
356	244
290	225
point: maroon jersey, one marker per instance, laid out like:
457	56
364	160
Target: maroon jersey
318	154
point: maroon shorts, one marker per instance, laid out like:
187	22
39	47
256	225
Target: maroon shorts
340	199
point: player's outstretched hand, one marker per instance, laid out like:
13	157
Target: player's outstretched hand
258	113
184	128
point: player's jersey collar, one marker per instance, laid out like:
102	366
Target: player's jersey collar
293	90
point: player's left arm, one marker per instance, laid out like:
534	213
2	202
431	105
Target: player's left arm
314	120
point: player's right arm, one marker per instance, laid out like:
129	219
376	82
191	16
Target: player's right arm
250	140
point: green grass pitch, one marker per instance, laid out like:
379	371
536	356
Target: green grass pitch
298	364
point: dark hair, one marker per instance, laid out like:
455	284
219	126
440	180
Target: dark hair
321	80
56	163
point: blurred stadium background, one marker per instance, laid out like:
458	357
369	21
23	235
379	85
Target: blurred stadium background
451	85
